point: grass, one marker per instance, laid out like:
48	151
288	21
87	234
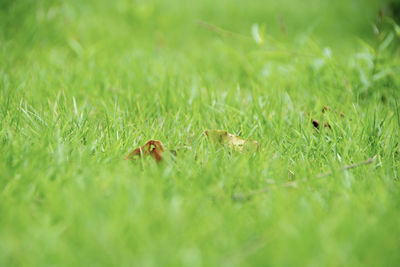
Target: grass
82	84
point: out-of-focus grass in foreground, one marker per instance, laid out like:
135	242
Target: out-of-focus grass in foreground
84	82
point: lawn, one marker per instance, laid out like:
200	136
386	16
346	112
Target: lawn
83	83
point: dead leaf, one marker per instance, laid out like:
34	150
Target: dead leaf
234	142
152	148
315	123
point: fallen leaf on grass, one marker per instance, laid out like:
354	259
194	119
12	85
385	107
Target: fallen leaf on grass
326	111
155	148
232	141
152	148
315	123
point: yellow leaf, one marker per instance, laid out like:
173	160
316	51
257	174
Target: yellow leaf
232	141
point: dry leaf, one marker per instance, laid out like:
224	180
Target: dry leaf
234	142
152	148
315	123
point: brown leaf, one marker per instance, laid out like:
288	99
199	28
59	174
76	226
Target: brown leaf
315	123
152	148
234	142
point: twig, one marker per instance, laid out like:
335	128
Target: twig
246	196
350	166
244	251
221	31
231	34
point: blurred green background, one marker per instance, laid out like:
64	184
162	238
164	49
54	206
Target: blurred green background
84	82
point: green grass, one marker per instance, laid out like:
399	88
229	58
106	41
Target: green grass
82	84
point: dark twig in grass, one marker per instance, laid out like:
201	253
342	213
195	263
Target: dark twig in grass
247	195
